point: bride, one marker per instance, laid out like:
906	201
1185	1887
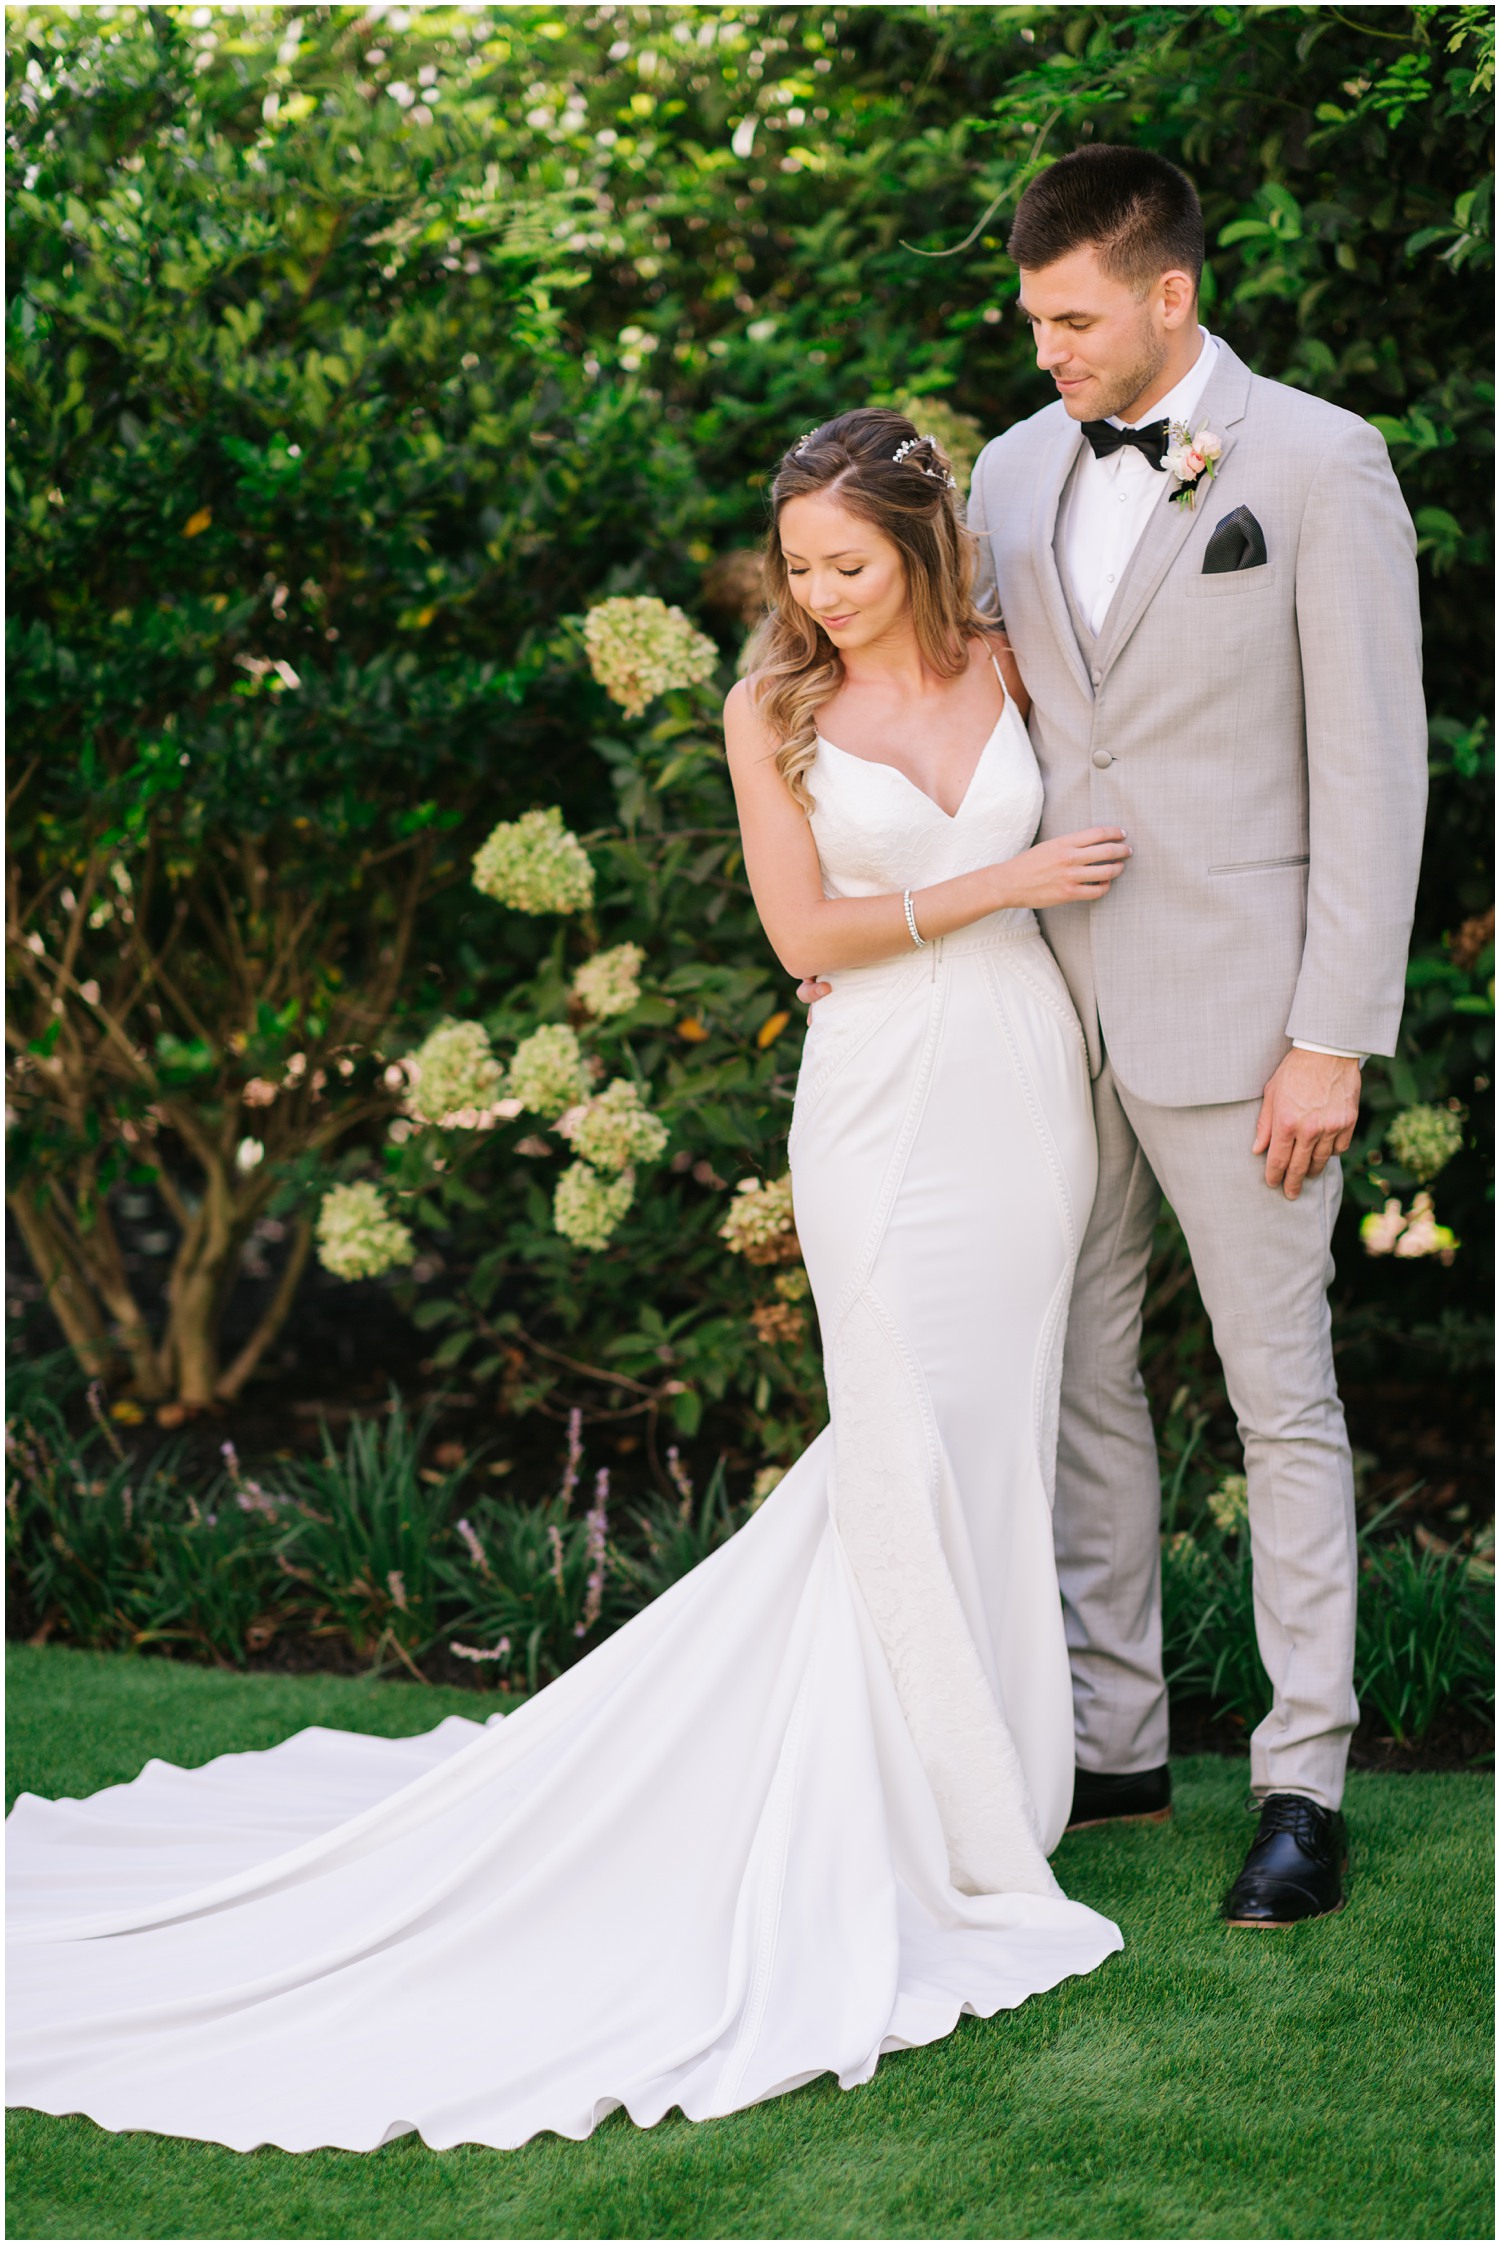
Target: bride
797	1813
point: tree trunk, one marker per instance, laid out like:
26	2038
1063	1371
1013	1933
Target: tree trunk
272	1317
69	1295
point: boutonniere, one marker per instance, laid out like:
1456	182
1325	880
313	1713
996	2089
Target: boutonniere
1193	457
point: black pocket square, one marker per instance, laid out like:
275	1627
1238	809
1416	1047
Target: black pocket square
1238	542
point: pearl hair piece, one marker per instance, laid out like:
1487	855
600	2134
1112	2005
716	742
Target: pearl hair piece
938	475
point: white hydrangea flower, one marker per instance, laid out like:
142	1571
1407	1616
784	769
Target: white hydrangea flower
587	1208
610	982
357	1236
534	864
1229	1504
547	1073
760	1225
614	1129
455	1071
1425	1139
639	648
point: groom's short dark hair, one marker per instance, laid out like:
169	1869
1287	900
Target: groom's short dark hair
1137	212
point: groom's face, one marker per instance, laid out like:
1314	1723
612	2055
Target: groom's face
1104	345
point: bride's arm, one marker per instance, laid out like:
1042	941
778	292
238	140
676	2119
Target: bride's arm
813	934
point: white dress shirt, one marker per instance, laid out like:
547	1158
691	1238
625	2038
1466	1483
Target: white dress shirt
1108	506
1110	501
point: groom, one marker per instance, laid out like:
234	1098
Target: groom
1223	654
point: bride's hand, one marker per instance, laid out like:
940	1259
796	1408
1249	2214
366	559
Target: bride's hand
1071	869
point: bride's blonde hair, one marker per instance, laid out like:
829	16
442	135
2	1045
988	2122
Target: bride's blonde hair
877	465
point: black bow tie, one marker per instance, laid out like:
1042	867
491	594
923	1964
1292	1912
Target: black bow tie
1150	441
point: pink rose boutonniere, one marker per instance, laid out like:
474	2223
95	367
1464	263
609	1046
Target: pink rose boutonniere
1193	457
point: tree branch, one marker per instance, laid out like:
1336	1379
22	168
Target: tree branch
272	1317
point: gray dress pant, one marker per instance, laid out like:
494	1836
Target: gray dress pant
1263	1265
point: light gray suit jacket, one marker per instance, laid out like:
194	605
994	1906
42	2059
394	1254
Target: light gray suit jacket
1260	736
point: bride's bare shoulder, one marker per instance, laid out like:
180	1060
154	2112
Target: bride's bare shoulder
996	643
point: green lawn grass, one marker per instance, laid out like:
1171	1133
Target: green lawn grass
1330	2081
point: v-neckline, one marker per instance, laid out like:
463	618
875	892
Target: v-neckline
881	765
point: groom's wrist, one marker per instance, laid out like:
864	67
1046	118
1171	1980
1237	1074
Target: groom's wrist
1334	1052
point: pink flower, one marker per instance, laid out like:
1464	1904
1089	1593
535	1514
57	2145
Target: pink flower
575	1455
473	1652
1191	458
596	1524
474	1547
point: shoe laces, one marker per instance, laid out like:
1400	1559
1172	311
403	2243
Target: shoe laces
1310	1825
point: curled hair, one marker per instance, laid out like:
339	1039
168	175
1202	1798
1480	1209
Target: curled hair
792	664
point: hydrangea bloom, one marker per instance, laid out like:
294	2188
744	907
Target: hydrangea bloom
547	1073
587	1208
760	1225
357	1236
456	1072
777	1323
639	648
534	864
1229	1504
610	982
614	1129
1425	1139
793	1286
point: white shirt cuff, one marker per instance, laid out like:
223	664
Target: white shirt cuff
1334	1052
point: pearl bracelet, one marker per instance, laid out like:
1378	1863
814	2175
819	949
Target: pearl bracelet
911	921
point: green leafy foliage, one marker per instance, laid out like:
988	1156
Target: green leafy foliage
350	367
363	1527
116	1553
1424	1639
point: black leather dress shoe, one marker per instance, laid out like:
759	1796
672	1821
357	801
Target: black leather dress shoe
1140	1797
1296	1865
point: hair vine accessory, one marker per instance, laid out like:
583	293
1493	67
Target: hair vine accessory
802	443
938	475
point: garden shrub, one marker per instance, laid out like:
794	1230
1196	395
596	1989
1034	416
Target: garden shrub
355	367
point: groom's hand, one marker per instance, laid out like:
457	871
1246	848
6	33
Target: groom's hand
1309	1111
809	990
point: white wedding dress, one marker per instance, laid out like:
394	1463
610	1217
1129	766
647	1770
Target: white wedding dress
793	1815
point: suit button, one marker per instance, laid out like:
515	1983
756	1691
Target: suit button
1098	677
1102	759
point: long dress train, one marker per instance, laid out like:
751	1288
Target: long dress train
794	1814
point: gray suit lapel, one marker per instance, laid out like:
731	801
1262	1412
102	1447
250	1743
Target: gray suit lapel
1065	440
1223	404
